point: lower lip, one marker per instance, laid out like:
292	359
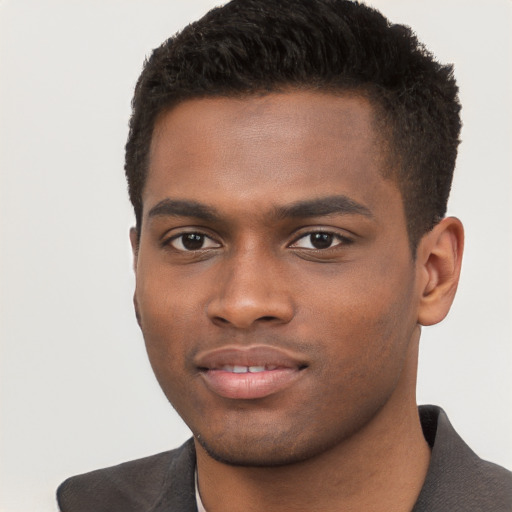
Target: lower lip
249	386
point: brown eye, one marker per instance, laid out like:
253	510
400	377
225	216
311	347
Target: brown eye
321	240
193	242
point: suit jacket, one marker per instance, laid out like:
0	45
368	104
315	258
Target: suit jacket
457	479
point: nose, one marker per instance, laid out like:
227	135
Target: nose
250	291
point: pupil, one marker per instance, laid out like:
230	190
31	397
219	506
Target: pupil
193	241
321	240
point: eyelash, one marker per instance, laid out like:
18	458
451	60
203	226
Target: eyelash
200	236
180	237
342	240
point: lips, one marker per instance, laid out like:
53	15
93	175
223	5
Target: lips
247	373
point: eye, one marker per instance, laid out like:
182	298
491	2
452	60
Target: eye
193	242
320	240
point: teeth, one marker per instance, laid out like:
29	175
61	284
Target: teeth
256	369
246	369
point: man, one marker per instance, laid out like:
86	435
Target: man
289	164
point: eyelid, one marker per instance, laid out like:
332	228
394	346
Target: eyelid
342	239
175	234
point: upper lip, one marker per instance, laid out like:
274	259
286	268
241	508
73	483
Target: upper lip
255	355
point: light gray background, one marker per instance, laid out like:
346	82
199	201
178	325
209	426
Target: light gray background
76	390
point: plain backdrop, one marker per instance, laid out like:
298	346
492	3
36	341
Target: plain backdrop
77	392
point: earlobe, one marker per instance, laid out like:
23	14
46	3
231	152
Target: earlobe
136	308
134	241
439	260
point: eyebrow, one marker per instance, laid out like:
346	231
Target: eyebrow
330	205
183	208
323	206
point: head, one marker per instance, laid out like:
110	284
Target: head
289	163
253	47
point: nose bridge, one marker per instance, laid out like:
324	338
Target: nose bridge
252	289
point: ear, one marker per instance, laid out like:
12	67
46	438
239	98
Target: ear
439	259
134	241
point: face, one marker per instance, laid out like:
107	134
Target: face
275	284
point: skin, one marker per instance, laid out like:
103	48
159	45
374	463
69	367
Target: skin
349	311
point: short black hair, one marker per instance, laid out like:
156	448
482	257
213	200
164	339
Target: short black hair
260	46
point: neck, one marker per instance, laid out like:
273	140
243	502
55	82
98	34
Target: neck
382	467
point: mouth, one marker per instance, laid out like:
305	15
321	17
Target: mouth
248	373
246	369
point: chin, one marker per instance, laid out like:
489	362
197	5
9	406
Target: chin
251	457
273	450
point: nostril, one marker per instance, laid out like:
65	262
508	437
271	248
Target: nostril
220	320
243	311
267	318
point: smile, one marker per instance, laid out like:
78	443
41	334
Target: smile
248	373
247	369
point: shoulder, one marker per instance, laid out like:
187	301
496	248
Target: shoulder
457	479
138	485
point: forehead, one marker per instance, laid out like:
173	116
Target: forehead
297	143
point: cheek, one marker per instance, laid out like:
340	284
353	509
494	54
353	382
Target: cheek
167	333
165	301
365	346
164	315
362	316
